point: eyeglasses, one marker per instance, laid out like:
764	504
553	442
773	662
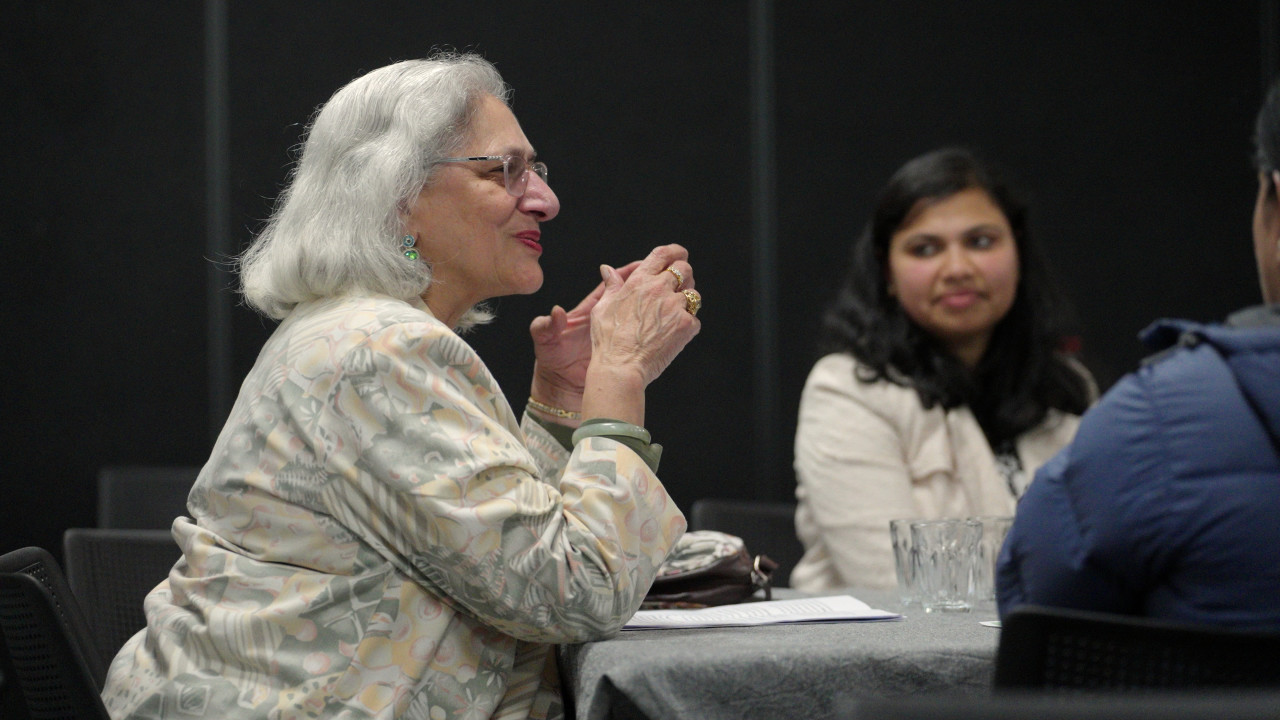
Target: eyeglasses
515	170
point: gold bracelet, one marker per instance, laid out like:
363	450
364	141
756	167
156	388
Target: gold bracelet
566	414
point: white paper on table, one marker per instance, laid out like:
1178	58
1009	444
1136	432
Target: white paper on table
833	608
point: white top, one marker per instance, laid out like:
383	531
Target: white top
867	453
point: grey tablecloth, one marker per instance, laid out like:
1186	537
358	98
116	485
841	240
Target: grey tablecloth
778	671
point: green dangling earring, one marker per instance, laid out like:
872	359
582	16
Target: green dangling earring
408	241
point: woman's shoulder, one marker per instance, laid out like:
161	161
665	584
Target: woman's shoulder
379	324
363	316
365	311
372	338
835	365
1058	427
1038	444
843	374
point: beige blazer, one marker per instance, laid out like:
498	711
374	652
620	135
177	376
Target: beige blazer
866	453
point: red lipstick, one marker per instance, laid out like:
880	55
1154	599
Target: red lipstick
531	238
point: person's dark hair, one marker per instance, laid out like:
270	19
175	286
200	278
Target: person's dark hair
1023	372
1266	136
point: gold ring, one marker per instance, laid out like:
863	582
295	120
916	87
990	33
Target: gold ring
679	277
692	302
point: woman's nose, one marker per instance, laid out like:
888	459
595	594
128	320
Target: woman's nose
956	262
539	199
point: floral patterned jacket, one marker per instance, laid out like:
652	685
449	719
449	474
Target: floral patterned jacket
376	536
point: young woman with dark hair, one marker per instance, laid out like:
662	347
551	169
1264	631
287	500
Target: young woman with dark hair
944	381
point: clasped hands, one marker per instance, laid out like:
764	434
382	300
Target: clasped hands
628	329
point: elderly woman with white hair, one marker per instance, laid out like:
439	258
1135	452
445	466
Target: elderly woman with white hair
377	533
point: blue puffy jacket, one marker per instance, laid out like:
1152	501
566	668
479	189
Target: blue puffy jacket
1167	503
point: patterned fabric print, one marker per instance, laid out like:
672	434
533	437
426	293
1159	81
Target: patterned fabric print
375	536
700	549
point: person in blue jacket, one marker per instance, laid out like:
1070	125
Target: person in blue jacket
1167	502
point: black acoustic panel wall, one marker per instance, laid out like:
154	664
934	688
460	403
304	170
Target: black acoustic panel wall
102	226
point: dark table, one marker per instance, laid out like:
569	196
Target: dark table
815	670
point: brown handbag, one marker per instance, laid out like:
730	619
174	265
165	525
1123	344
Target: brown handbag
708	568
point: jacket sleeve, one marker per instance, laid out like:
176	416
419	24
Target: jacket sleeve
444	485
849	460
1087	534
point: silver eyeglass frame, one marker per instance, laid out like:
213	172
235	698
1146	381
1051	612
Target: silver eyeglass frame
515	186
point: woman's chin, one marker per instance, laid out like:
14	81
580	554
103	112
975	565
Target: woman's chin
528	284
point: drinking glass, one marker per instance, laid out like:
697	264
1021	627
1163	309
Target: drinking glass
945	550
994	530
904	562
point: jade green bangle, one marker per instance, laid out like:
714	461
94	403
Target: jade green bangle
633	436
604	426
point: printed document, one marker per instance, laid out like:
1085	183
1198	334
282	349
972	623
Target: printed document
834	608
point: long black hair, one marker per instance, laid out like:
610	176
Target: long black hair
1267	136
1023	372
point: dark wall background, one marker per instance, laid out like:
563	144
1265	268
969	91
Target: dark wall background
1128	123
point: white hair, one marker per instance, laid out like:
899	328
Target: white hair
369	151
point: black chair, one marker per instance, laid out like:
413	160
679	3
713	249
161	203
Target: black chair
143	497
1059	650
51	667
110	572
767	528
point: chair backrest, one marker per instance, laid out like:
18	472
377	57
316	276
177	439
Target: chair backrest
110	572
144	497
52	669
767	528
1071	650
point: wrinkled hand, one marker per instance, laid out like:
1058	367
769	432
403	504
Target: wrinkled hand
640	322
562	345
